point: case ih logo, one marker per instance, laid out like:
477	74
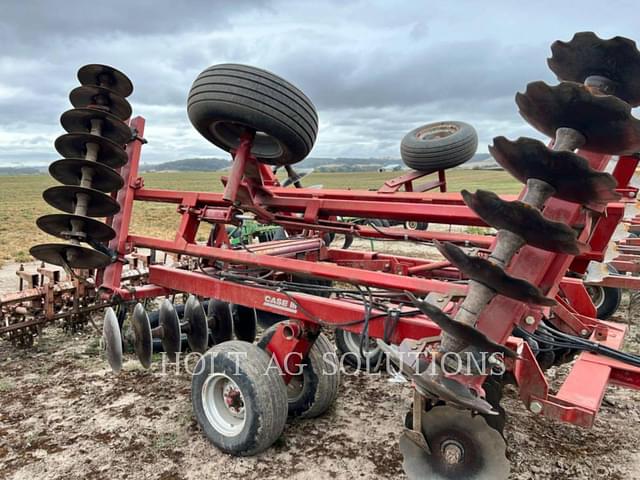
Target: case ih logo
280	303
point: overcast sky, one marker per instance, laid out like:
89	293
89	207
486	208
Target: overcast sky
374	69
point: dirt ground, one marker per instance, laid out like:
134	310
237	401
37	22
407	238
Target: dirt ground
64	415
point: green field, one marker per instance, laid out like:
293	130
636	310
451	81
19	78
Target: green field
21	200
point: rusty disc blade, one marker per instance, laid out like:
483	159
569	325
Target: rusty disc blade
483	271
74	145
585	55
569	174
64	198
112	340
75	256
142	341
105	76
59	225
78	120
604	120
100	97
196	320
462	446
525	221
69	172
170	323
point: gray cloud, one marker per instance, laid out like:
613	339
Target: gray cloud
374	70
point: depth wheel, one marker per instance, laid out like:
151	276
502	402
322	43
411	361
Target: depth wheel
348	344
226	99
462	446
312	392
238	400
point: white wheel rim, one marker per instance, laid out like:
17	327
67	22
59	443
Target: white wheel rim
597	295
352	341
223	404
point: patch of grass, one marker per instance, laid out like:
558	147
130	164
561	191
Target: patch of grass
477	230
22	204
165	441
6	385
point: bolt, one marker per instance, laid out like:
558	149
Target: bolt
529	320
535	407
584	332
440	300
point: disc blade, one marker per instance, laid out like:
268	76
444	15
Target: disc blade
618	59
196	320
65	198
69	172
92	96
75	256
74	145
569	174
219	320
142	341
59	225
112	340
244	322
170	324
105	76
525	221
462	446
483	271
604	120
79	120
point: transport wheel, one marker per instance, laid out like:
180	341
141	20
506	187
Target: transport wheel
238	400
462	446
439	145
605	299
348	344
312	392
412	225
225	99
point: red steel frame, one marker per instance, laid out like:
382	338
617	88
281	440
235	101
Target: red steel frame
252	187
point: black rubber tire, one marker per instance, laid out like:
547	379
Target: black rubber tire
348	347
606	299
440	145
320	378
228	97
410	225
263	391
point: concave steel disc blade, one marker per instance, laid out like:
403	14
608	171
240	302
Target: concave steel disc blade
59	225
617	59
219	320
483	271
170	324
75	256
69	172
142	341
244	322
569	174
525	221
462	446
74	145
105	76
78	120
604	120
196	319
112	340
65	198
87	95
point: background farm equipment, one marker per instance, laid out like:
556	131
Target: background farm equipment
518	294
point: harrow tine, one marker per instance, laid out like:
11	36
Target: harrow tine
525	221
484	271
195	325
112	340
